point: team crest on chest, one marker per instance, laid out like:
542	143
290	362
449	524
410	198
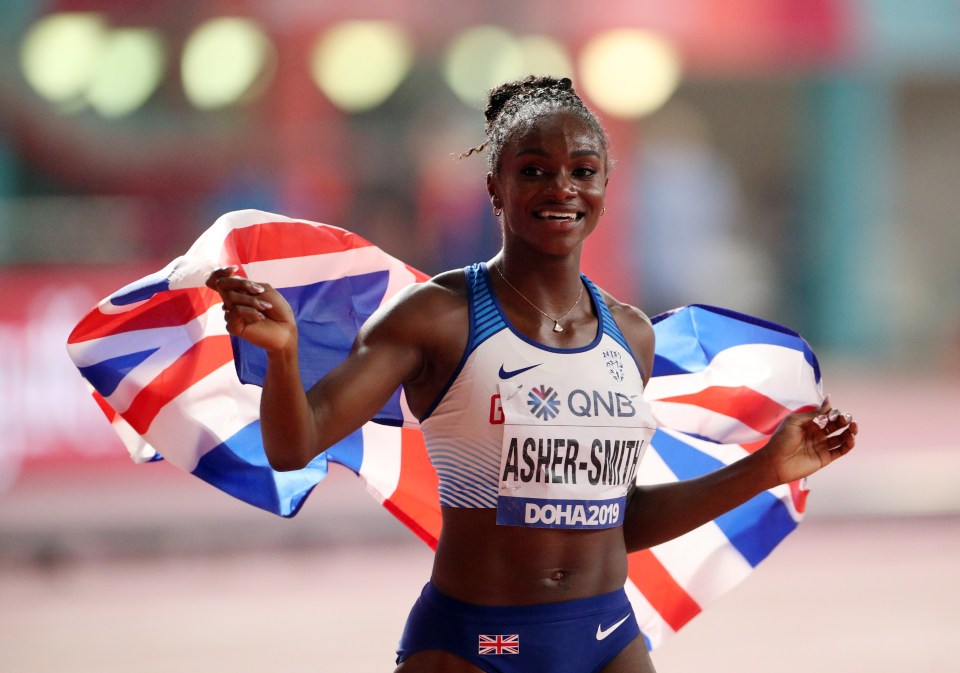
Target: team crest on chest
614	362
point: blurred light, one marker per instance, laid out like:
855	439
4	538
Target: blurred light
486	56
479	59
223	60
543	55
629	73
130	70
60	54
358	64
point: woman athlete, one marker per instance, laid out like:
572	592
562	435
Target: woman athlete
528	382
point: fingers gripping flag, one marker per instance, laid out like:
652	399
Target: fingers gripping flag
174	384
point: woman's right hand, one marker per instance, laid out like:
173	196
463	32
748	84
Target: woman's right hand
253	311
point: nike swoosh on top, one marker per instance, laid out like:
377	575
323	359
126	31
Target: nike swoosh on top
504	374
601	633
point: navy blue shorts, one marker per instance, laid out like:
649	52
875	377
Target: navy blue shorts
579	636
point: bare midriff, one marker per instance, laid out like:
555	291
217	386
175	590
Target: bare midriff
479	562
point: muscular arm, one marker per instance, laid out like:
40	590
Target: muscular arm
661	512
390	350
298	427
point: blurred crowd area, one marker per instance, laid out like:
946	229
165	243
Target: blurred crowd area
796	160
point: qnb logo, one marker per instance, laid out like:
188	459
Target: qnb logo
543	403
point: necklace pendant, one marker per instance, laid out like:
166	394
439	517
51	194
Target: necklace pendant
556	326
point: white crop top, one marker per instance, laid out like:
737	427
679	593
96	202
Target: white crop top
549	437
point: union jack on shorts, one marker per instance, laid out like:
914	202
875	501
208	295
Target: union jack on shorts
173	384
500	644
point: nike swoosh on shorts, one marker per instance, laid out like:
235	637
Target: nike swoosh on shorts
601	633
504	374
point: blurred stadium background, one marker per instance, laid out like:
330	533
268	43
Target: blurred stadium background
795	159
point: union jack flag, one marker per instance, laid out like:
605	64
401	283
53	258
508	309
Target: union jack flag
172	383
500	644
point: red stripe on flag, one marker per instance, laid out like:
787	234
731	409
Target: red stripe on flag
416	500
661	590
203	358
742	403
418	275
799	493
282	240
105	407
753	447
165	309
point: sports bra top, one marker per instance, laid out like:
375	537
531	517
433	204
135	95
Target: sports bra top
550	437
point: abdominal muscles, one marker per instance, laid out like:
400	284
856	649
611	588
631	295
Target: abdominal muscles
480	562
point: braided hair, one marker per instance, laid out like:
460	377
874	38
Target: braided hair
513	104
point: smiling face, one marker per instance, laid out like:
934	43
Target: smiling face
550	183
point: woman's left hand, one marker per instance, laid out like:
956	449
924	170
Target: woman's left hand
807	442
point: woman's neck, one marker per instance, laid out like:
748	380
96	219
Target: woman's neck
552	287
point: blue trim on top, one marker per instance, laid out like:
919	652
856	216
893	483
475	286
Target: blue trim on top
609	324
607	321
485	317
595	298
483	324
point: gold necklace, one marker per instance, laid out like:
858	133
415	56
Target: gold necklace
556	321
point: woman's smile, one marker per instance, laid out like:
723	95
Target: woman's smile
558	215
559	221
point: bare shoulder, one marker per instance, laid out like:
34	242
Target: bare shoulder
427	325
636	328
439	298
431	316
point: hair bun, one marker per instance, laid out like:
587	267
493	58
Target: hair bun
501	95
511	101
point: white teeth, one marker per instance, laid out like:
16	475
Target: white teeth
554	215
